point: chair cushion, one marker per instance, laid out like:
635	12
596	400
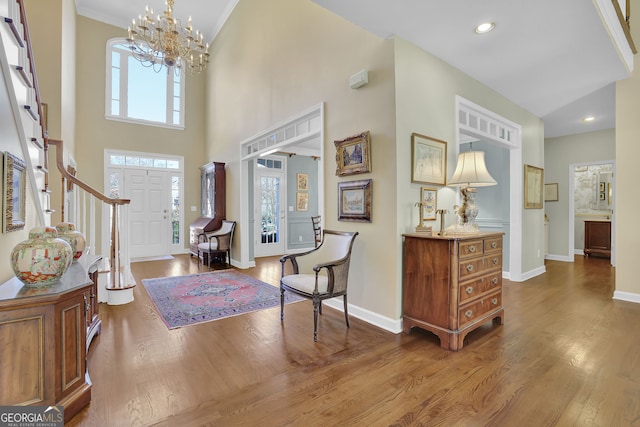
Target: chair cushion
306	282
204	246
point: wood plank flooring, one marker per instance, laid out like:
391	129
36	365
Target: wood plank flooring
567	355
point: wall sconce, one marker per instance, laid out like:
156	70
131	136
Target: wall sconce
471	171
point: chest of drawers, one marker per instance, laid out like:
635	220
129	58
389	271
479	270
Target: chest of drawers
451	284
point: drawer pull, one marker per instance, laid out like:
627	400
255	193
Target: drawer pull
495	261
494	245
469	268
494	301
469	290
472	249
494	280
468	313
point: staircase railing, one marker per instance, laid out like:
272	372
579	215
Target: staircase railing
85	214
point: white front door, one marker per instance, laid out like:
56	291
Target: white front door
149	212
269	210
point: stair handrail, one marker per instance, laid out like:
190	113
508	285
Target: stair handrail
86	187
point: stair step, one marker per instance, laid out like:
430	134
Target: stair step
37	143
15	31
32	113
24	75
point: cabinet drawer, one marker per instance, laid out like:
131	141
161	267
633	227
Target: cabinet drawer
493	245
470	248
476	310
474	267
476	288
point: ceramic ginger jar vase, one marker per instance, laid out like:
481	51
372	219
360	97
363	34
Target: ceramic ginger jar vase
67	231
42	259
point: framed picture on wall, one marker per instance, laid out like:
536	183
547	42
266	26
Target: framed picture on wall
551	192
354	201
303	181
428	160
533	179
15	193
353	154
302	201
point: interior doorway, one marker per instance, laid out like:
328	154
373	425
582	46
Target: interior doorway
476	122
302	134
593	187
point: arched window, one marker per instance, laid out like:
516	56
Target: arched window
138	94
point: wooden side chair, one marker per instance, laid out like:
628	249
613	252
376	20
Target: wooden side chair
217	243
317	230
320	273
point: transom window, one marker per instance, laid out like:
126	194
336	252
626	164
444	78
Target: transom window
135	93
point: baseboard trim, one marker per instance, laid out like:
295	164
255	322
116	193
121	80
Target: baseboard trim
533	273
626	296
562	258
382	322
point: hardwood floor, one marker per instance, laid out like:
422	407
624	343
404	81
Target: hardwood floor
567	355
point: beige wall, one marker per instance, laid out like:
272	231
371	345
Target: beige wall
94	133
425	100
559	153
275	59
627	153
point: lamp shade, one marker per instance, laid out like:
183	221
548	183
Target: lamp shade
471	171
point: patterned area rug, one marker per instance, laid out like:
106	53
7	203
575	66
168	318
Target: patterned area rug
197	298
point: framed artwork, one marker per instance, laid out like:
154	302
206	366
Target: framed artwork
303	181
15	194
428	160
533	179
429	200
353	154
551	192
354	200
302	201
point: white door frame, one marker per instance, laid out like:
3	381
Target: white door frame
295	132
505	133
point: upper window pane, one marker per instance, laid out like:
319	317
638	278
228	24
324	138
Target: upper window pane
146	99
137	93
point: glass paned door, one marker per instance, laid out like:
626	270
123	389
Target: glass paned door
270	212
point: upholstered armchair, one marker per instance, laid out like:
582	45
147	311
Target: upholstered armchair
320	274
217	243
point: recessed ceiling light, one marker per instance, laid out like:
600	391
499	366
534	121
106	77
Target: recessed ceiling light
588	119
484	28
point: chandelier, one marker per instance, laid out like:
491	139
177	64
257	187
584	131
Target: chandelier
162	40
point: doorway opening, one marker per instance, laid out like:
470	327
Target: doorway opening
301	135
476	123
593	187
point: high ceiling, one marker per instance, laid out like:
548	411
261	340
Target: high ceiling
554	58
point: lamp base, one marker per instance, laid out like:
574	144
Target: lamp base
465	229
